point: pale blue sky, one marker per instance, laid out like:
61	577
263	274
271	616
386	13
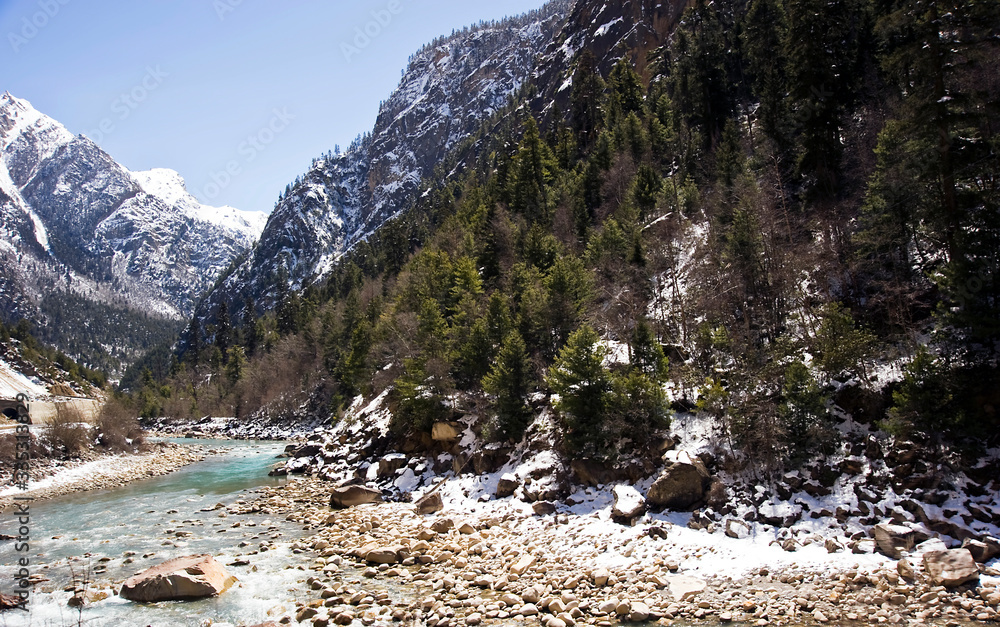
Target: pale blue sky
185	84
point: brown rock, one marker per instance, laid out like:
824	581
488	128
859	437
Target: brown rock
383	555
506	486
982	550
522	564
628	504
905	569
950	568
182	578
446	431
443	525
591	472
429	503
351	495
679	487
894	540
544	508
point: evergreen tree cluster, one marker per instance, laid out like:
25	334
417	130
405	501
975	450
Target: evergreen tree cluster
793	192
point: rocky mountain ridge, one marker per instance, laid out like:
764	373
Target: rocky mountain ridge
450	88
76	224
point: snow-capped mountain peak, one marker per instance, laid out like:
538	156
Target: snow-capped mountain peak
80	231
18	117
168	185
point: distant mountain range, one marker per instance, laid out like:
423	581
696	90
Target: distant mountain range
105	262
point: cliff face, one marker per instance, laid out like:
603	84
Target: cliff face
449	89
609	30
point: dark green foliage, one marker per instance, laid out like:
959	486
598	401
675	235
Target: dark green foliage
531	172
646	353
236	364
419	397
697	75
821	51
587	98
120	339
625	92
764	31
803	413
727	211
583	384
646	190
843	348
636	408
509	382
926	404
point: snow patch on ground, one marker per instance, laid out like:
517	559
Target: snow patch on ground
13	383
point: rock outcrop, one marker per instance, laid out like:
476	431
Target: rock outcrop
679	487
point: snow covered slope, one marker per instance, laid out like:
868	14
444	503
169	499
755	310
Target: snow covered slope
73	221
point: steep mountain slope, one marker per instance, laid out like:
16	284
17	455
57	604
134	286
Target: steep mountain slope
609	30
77	226
449	89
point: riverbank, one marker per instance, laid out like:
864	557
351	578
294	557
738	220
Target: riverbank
478	563
105	472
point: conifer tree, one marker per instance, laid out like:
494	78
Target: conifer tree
586	98
582	382
509	382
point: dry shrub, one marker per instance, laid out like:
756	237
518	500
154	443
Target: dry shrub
278	380
68	433
118	427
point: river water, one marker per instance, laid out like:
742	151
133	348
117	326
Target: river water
149	521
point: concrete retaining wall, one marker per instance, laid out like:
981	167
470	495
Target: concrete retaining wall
42	412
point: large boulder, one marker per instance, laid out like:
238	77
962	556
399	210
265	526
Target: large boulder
895	540
383	555
686	588
506	486
308	450
679	487
351	495
544	508
590	472
446	431
179	579
950	568
389	464
429	503
982	550
628	504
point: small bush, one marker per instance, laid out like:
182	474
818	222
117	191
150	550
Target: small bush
68	434
118	427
